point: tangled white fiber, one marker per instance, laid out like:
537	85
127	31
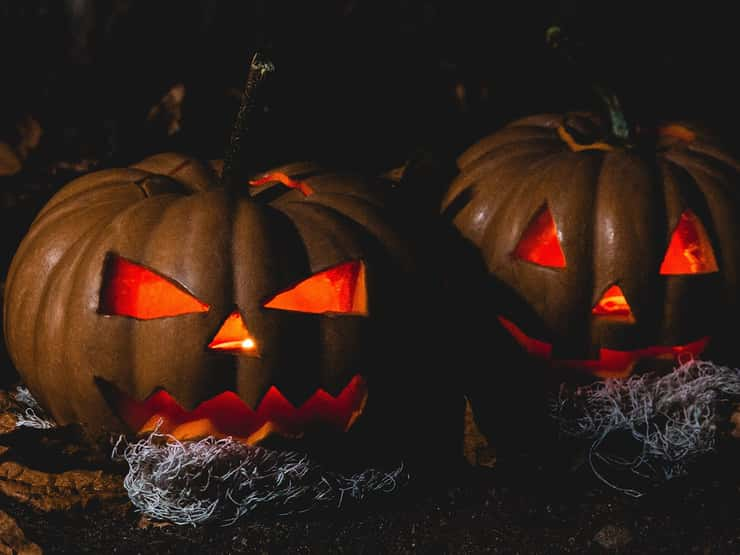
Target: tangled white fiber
33	415
221	480
669	420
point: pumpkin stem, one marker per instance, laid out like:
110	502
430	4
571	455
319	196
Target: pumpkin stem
235	171
620	127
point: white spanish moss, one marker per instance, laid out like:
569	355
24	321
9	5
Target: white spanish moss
670	420
222	480
33	415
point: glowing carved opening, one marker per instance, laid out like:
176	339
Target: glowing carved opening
613	303
227	415
610	363
132	290
233	337
286	180
340	289
689	251
540	243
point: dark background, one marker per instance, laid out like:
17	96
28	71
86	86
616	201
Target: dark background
360	84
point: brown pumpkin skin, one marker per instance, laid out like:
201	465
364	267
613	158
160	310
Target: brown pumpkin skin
167	214
615	209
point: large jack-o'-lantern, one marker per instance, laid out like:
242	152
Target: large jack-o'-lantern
214	314
153	296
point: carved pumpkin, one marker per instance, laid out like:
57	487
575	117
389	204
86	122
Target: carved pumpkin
149	294
607	255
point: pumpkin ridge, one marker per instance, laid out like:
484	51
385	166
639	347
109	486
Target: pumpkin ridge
368	217
500	152
703	162
33	233
189	225
715	154
69	204
57	287
92	181
521	174
491	162
84	261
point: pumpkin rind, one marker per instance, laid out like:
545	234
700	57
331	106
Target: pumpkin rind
167	214
615	210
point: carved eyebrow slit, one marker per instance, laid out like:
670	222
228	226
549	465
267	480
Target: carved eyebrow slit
133	290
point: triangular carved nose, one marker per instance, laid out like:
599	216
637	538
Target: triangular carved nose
234	337
613	303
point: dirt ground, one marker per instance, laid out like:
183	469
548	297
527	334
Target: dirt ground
527	509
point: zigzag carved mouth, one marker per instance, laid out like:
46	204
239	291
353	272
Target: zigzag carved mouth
227	415
611	363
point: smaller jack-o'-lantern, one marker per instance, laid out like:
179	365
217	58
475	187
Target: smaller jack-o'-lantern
615	247
607	248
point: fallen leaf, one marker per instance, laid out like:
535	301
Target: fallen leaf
7	422
169	109
10	164
53	492
477	450
12	539
3	450
16	148
145	522
29	133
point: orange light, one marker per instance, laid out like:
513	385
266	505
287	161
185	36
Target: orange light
286	180
611	363
340	289
689	251
132	290
613	303
539	243
233	336
227	415
677	131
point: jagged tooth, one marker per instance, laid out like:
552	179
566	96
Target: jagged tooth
356	413
274	398
321	408
196	429
228	414
275	407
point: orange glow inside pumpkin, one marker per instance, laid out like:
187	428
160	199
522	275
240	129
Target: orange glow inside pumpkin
540	243
234	337
611	363
340	289
227	415
286	180
689	251
613	303
132	290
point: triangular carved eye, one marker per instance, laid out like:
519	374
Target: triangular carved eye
339	289
233	337
540	243
689	250
133	290
613	303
